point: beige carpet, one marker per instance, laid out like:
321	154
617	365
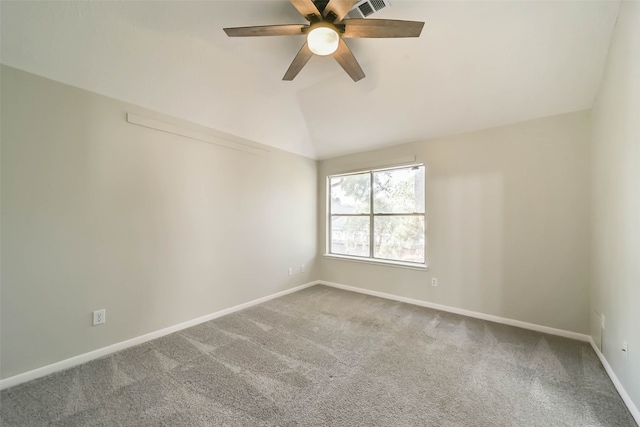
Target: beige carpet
326	357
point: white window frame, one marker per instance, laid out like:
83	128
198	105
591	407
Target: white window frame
371	215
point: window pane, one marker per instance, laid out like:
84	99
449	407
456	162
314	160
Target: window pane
350	235
399	238
350	194
399	190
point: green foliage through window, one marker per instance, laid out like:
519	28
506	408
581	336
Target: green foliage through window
379	214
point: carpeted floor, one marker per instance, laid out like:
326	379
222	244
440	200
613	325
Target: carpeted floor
326	357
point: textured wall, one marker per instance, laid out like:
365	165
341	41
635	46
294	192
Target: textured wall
616	202
507	219
155	228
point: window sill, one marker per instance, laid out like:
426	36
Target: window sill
398	264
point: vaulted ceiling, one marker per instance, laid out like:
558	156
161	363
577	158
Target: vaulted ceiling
477	64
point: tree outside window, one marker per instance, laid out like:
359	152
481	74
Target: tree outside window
379	214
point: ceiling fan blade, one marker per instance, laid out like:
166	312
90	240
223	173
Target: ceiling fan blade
345	58
339	8
381	28
306	8
298	62
267	30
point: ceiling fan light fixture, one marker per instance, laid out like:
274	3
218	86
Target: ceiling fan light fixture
323	40
326	29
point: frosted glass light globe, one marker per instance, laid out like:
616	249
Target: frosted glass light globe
323	40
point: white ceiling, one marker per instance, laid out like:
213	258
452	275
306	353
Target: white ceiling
477	64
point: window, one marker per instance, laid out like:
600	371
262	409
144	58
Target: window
378	215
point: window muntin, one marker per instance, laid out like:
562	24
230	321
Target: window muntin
394	230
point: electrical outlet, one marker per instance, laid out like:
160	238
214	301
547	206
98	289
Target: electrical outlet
434	281
625	349
99	317
290	271
302	268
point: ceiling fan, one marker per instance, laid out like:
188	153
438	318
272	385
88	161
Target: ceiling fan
326	31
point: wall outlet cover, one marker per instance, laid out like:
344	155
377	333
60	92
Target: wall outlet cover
99	317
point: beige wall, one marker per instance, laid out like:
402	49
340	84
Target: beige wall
156	228
615	228
508	223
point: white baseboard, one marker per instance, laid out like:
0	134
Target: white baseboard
616	382
95	354
477	315
86	357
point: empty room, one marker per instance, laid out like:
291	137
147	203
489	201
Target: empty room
320	213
